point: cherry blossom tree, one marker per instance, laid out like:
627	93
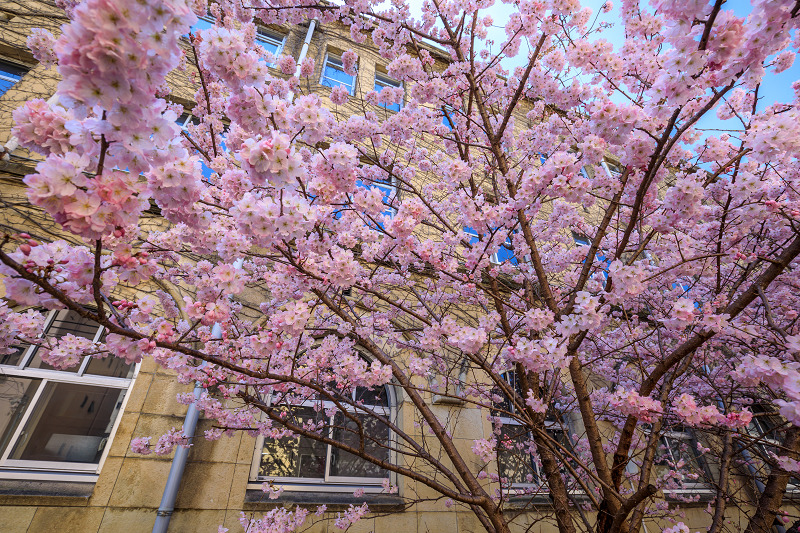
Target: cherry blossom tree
561	236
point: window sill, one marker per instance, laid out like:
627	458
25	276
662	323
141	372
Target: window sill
255	499
37	493
519	502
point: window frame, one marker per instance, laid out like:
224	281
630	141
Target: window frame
265	35
332	58
383	79
763	427
62	470
330	483
688	439
552	425
8	74
495	257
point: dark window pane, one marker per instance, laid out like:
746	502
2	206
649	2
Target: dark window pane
110	366
294	456
515	461
346	431
15	397
13	358
372	396
70	423
63	323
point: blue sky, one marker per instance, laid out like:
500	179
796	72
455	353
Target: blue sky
775	87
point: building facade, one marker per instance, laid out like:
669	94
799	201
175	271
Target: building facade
65	436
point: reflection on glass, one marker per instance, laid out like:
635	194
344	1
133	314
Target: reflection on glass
376	439
71	423
515	461
294	456
333	74
15	396
110	366
678	453
63	323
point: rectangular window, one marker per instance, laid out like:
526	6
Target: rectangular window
448	117
503	254
389	193
333	74
9	75
302	463
270	41
768	428
184	121
605	262
517	461
679	462
59	420
382	81
612	169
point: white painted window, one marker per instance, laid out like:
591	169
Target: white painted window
59	420
303	464
333	73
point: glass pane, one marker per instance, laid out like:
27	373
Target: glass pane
110	366
15	397
9	75
345	464
294	456
13	358
66	322
372	396
515	462
270	43
71	423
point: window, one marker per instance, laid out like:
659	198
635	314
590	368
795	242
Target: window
301	463
184	121
582	240
516	458
9	75
503	254
333	74
679	462
448	117
388	188
270	41
612	169
382	81
768	428
59	420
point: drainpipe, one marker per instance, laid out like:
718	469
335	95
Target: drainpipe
304	51
167	506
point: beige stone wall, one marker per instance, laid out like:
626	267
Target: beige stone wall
213	490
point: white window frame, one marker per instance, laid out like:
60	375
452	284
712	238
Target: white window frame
5	77
687	439
29	469
384	80
614	172
330	483
550	425
334	59
760	431
265	35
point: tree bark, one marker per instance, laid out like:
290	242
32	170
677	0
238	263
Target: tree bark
771	499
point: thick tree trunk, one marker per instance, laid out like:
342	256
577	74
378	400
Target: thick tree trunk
555	482
771	499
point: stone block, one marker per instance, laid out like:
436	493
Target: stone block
140	483
17	519
205	486
117	520
84	519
